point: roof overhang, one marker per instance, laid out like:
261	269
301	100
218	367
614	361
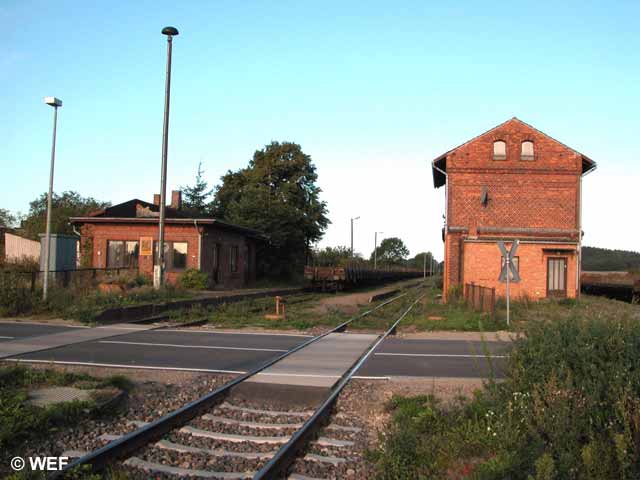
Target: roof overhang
177	221
588	165
439	170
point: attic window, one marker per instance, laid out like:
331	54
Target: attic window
499	150
526	153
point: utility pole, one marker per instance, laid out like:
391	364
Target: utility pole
55	103
356	218
424	266
375	251
158	274
506	259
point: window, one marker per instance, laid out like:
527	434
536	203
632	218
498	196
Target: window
233	258
556	277
499	150
175	255
122	254
526	153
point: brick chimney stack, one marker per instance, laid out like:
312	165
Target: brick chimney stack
176	199
156	199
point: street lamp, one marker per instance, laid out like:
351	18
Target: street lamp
375	251
55	103
352	220
158	273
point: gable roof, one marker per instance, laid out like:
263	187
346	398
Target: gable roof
439	164
139	211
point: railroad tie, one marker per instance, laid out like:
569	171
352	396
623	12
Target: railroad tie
242	423
297	476
184	472
177	447
332	442
230	437
335	461
273	413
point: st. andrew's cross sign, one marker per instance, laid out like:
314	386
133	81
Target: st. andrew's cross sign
509	264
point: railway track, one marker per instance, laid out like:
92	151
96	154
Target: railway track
225	435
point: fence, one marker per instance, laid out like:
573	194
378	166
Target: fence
69	278
481	299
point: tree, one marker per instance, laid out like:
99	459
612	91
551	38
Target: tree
7	219
277	195
603	259
195	199
330	256
391	251
65	205
419	261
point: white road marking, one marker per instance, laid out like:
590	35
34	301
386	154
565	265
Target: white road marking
438	355
234	333
118	365
2	336
365	377
43	323
312	375
211	347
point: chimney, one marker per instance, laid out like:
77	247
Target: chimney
156	199
176	199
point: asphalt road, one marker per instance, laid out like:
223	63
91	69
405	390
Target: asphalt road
201	350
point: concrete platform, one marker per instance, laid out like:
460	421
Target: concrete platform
321	364
55	340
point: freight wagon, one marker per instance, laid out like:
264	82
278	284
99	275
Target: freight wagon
342	278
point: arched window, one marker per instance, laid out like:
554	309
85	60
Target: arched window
499	150
526	153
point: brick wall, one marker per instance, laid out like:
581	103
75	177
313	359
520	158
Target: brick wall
527	199
99	234
542	193
482	263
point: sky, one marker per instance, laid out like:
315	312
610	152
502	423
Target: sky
373	91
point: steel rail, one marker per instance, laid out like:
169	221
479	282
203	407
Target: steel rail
127	444
277	467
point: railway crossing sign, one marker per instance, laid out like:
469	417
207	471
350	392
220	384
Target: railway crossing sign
509	271
509	265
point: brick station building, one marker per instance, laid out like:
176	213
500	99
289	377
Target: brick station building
513	182
126	236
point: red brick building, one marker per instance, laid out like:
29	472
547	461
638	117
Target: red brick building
126	235
513	181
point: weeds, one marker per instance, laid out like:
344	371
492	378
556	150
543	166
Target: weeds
21	421
568	409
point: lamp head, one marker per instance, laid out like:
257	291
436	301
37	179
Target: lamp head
171	31
53	101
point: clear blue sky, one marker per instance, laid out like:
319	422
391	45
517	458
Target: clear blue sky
371	90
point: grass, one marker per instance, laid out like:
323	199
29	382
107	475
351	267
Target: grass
21	422
300	313
569	408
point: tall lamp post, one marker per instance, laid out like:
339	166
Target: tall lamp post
55	103
375	250
158	273
352	220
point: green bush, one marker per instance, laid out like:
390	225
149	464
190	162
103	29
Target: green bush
569	408
194	279
15	294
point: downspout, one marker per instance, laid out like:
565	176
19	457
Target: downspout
195	224
579	266
446	194
78	248
445	283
